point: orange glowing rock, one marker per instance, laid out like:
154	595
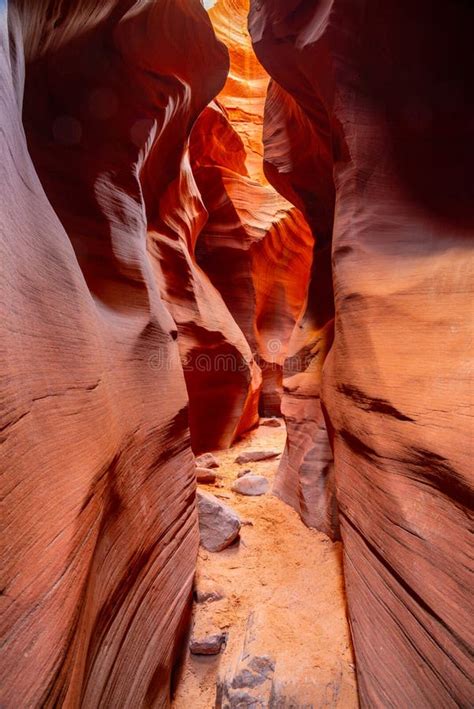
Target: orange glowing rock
255	246
244	92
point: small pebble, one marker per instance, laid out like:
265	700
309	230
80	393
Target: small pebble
207	460
208	644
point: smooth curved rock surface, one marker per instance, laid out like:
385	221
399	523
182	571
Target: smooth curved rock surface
255	246
251	485
222	377
101	530
244	93
298	162
385	90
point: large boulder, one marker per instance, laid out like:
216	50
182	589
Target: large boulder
251	485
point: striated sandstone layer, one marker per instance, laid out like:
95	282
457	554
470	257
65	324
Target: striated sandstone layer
101	532
298	162
255	247
204	258
381	88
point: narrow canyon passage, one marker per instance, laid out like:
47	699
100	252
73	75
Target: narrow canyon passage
236	411
275	595
269	621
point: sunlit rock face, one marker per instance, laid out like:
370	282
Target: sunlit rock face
244	92
255	245
222	377
100	514
290	357
380	92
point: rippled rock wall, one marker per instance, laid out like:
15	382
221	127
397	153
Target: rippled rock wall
379	92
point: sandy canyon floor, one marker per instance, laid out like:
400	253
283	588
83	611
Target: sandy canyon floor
281	599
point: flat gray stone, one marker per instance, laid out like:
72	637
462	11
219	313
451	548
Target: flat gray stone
219	525
255	456
257	671
246	680
251	485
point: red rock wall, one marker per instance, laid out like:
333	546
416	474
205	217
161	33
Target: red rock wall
289	356
244	92
255	246
298	161
101	535
383	87
222	377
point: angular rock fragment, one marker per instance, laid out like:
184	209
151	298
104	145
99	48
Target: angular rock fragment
251	485
219	525
207	460
207	644
241	473
205	475
255	456
247	681
256	671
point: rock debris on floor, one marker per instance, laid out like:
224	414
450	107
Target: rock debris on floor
271	605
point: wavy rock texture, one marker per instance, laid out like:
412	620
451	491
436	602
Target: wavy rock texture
222	378
255	246
298	162
382	86
101	525
245	90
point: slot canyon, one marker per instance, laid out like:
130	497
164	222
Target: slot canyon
236	420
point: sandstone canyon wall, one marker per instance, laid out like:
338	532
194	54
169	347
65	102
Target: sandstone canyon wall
222	377
101	534
298	161
379	91
230	254
255	246
155	290
253	220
